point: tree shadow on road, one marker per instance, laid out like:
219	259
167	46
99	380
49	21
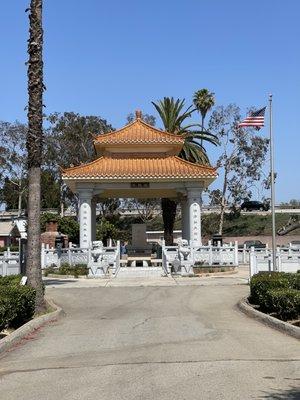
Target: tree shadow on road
54	281
292	393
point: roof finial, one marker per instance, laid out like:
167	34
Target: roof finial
138	114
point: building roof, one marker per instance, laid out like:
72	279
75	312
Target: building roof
138	132
130	166
8	228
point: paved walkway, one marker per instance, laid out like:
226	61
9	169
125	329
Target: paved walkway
232	278
185	341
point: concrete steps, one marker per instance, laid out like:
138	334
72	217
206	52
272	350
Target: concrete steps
140	272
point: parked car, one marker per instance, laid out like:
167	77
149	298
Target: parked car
294	244
257	244
255	205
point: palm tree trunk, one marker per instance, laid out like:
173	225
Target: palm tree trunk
202	128
34	149
169	213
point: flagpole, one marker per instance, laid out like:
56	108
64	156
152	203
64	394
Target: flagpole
272	186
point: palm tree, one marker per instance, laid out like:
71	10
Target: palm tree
34	149
203	100
173	115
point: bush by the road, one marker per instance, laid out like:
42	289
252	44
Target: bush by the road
277	293
285	303
17	302
67	269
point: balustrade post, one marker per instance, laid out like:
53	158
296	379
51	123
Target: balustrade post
43	255
244	255
70	256
236	253
5	266
210	253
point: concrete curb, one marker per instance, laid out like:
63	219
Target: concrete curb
266	319
21	333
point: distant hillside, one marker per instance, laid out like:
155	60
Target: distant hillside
244	225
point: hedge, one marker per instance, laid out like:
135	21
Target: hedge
277	293
264	281
17	303
67	269
285	303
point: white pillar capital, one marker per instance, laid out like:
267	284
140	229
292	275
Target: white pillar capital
85	193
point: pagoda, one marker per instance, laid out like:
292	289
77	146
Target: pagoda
139	161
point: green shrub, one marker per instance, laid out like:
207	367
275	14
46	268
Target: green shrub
294	280
10	280
285	303
52	269
12	248
80	269
17	304
67	269
264	281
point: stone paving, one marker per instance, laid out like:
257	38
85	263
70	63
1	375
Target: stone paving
178	339
238	278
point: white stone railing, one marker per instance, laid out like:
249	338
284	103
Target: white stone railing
172	256
244	253
72	256
110	257
9	263
288	260
226	255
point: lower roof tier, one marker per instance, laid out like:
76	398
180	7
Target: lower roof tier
130	167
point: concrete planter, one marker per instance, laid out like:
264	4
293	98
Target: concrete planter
285	327
58	276
198	270
21	333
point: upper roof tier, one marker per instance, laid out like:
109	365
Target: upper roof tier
137	135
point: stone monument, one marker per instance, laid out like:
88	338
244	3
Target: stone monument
139	245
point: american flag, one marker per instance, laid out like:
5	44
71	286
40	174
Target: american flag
255	119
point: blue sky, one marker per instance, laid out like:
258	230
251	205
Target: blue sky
110	58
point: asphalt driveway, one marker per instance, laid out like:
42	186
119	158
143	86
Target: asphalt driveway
176	342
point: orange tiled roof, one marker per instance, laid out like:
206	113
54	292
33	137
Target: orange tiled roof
139	167
138	132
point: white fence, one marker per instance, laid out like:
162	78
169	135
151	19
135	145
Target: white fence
9	263
288	260
54	257
183	258
98	262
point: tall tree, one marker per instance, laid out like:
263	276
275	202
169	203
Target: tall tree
174	114
13	167
242	158
148	118
147	209
69	142
203	100
34	148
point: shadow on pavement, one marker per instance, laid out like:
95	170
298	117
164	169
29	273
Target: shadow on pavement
293	394
49	282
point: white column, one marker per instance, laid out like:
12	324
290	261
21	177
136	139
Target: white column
185	219
94	205
194	203
85	217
